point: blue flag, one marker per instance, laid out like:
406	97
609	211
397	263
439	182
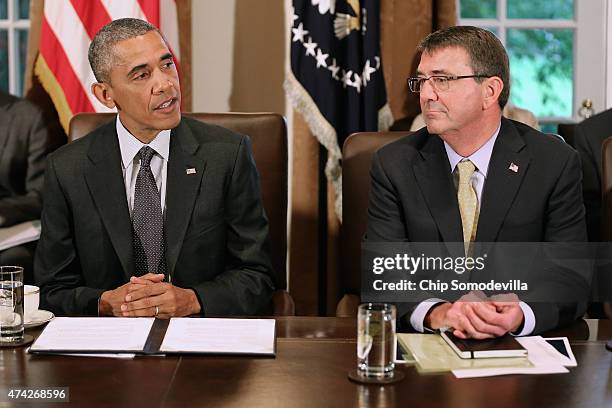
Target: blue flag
336	80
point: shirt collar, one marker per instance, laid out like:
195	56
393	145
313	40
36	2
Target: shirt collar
480	157
130	146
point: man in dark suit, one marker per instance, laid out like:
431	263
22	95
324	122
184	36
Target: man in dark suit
473	176
588	139
589	136
153	214
25	143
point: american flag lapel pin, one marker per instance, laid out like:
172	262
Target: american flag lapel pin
190	170
513	167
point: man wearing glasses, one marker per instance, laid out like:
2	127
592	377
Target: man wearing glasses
472	176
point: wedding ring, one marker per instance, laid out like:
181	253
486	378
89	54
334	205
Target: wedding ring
156	310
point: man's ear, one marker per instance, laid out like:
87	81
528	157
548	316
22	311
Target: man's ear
103	93
492	90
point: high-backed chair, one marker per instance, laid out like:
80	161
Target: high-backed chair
268	134
356	158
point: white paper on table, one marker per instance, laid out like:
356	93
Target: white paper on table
223	336
113	334
19	234
544	360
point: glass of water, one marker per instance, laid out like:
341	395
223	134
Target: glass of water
11	304
376	340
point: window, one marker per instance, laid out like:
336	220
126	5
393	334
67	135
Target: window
14	26
556	50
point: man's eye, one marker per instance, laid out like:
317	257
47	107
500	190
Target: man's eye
168	64
141	76
439	80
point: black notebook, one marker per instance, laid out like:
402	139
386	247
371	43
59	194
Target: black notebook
505	346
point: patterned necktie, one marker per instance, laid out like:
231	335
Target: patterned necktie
147	221
468	202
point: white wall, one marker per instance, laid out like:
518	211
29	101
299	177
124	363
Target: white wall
212	54
608	31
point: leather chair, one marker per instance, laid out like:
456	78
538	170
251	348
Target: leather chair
356	159
268	134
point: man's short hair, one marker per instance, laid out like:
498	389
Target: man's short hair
101	49
487	54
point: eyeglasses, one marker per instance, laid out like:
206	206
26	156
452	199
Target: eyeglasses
439	82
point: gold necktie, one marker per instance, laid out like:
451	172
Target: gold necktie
468	202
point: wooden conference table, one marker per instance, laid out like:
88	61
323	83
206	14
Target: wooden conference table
314	355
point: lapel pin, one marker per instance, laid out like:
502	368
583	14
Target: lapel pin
190	170
513	167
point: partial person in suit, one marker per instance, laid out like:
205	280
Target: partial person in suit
473	176
588	139
589	136
154	214
25	142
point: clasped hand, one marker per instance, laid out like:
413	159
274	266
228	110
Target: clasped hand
477	316
149	295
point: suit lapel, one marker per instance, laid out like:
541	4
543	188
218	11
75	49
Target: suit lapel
105	181
185	171
435	181
507	168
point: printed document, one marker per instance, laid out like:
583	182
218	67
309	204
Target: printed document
224	336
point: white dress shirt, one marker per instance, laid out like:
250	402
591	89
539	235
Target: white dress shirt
130	163
480	159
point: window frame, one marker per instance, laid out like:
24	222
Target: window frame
589	47
12	24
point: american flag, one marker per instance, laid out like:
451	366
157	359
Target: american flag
68	27
336	79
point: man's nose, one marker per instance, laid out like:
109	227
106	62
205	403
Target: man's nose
162	83
427	91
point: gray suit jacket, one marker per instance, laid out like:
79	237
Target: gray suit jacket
215	225
24	145
413	199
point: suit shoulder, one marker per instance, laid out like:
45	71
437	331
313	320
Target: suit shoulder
593	131
599	123
77	149
405	147
542	142
19	107
208	133
7	99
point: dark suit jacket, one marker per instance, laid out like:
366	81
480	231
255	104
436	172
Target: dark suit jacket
215	224
24	145
413	198
588	138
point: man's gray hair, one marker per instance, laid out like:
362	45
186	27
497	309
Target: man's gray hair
101	53
487	54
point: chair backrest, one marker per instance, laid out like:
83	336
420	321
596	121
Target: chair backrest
356	159
606	189
268	134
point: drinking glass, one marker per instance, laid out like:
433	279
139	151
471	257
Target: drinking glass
376	340
11	304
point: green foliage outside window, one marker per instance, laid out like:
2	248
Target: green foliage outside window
541	60
478	8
